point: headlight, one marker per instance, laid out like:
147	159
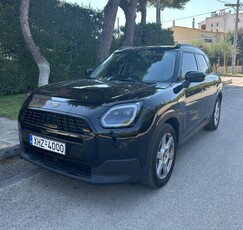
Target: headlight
120	115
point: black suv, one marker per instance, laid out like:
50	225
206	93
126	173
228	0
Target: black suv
123	123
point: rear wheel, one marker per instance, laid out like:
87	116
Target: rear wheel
162	158
214	122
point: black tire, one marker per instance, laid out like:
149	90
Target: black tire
164	159
214	121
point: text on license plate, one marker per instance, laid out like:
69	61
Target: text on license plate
47	144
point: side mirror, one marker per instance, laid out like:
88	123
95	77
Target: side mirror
195	76
88	72
191	76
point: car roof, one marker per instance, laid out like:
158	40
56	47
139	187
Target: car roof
178	47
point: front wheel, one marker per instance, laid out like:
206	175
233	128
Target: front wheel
162	158
214	122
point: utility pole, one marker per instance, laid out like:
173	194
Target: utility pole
237	5
158	17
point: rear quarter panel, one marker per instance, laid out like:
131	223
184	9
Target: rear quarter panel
213	88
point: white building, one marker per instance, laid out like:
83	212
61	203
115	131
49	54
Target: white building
221	21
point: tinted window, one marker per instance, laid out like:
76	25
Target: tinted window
161	69
188	63
145	65
203	66
208	63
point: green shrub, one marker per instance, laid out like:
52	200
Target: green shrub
66	34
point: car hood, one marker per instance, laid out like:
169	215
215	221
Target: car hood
95	92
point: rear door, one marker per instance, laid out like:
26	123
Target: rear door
211	83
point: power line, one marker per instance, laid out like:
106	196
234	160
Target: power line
232	5
223	2
227	2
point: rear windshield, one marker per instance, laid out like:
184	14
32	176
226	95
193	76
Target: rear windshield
145	66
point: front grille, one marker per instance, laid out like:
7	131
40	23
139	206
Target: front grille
58	161
55	121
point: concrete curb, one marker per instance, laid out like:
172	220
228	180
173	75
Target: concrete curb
9	151
227	82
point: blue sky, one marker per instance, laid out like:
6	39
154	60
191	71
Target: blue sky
192	8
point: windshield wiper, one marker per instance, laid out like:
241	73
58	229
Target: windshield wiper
123	79
130	79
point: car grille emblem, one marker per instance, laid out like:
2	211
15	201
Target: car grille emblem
54	104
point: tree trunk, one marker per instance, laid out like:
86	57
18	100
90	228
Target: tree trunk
110	13
143	5
42	63
158	15
129	8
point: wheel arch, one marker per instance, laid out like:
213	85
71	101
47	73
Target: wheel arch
220	95
174	122
172	118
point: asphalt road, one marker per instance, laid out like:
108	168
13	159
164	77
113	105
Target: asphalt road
205	190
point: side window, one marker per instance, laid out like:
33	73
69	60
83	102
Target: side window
209	64
203	65
188	64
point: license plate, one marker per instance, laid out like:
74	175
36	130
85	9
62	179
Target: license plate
47	144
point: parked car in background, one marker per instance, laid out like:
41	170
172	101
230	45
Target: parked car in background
124	122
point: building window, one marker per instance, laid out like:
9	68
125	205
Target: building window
217	24
211	25
203	27
208	40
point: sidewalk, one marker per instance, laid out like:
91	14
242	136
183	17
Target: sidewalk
236	81
9	142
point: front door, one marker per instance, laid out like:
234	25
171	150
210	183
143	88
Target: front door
195	95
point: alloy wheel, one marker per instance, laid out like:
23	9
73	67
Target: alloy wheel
165	156
217	113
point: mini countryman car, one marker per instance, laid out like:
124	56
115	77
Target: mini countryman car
124	121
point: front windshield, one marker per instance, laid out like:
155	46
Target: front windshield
145	65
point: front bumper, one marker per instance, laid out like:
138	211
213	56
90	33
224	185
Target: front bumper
99	157
109	172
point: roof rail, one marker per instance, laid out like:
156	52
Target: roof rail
180	45
124	47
